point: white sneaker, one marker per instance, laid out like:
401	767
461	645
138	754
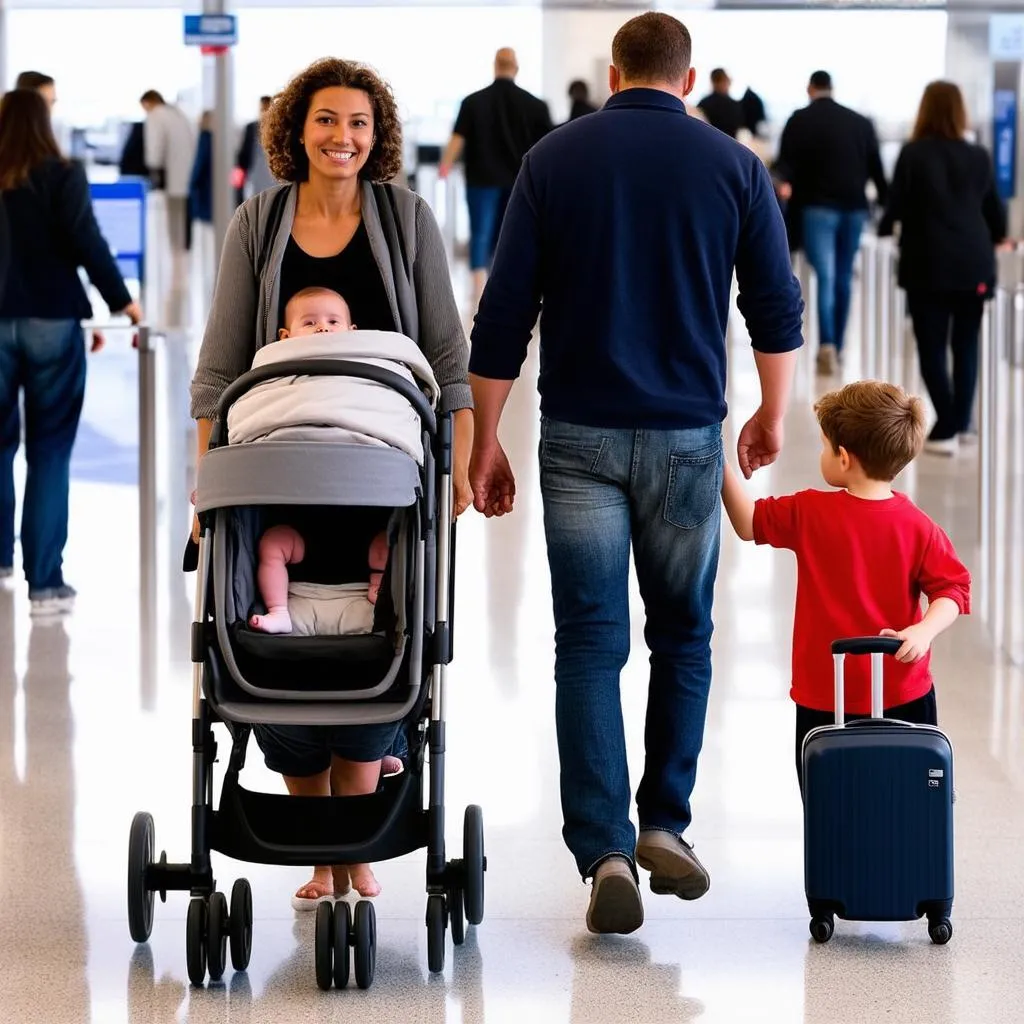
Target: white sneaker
52	600
947	447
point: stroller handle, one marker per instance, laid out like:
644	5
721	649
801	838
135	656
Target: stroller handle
325	368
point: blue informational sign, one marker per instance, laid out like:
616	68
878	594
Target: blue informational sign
120	208
211	30
1004	141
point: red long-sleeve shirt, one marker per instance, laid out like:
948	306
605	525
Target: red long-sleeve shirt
862	567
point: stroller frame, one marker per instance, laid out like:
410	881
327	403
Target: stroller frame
394	817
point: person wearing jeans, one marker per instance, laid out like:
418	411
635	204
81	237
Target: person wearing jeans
827	155
49	231
47	359
831	238
634	274
951	220
486	206
603	492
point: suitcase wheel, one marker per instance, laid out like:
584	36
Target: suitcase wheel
940	932
822	928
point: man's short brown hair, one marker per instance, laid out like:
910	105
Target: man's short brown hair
281	126
879	424
652	47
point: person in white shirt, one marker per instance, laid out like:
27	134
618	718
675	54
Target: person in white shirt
170	143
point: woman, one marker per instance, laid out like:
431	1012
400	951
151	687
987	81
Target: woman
331	135
943	196
47	231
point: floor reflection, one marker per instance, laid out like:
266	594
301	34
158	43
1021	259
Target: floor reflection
42	922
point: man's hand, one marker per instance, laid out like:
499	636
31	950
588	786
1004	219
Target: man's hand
98	342
917	641
492	480
784	190
759	443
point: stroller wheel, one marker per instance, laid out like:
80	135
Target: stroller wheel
195	941
141	847
456	916
240	924
365	943
436	913
217	936
342	942
323	944
474	863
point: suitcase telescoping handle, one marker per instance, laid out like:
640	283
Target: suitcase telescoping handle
877	647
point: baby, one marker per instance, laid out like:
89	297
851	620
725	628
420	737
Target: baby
310	311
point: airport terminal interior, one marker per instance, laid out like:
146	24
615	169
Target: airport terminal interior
96	718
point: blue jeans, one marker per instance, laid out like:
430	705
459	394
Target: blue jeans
46	360
603	491
831	240
486	212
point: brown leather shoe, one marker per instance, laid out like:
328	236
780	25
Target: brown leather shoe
615	904
674	868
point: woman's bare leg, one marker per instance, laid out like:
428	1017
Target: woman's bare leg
355	778
322	882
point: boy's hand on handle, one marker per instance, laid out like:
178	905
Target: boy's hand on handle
917	641
759	443
492	480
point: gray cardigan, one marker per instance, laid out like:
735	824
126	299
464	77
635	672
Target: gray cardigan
244	315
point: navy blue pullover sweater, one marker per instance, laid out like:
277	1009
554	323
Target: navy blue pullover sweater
627	225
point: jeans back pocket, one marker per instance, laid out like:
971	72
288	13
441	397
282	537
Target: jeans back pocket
694	486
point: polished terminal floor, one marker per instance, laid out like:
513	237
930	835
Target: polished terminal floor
96	726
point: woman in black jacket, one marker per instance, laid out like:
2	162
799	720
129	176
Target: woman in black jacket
943	196
47	231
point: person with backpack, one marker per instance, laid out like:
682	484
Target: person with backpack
47	231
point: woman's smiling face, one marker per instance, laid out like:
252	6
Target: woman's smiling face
338	133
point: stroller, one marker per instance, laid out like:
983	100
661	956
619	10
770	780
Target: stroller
241	677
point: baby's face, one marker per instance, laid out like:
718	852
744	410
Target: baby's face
317	314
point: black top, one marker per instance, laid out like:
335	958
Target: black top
580	108
52	232
944	196
500	124
754	113
247	149
723	113
827	154
353	273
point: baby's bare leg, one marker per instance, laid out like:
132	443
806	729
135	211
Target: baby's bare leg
355	778
280	547
378	563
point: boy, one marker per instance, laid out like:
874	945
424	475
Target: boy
865	555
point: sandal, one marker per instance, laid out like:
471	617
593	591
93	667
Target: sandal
306	903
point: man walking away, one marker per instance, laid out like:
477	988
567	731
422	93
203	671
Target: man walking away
827	154
495	128
627	225
170	142
720	109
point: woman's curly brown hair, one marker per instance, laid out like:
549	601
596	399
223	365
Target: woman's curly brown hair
282	125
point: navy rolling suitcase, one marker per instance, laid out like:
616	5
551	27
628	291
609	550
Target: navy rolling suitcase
878	813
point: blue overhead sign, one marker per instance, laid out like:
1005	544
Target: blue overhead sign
211	30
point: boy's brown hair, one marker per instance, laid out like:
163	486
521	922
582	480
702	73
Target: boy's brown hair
879	424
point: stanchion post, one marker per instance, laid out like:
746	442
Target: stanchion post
147	502
869	309
884	316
